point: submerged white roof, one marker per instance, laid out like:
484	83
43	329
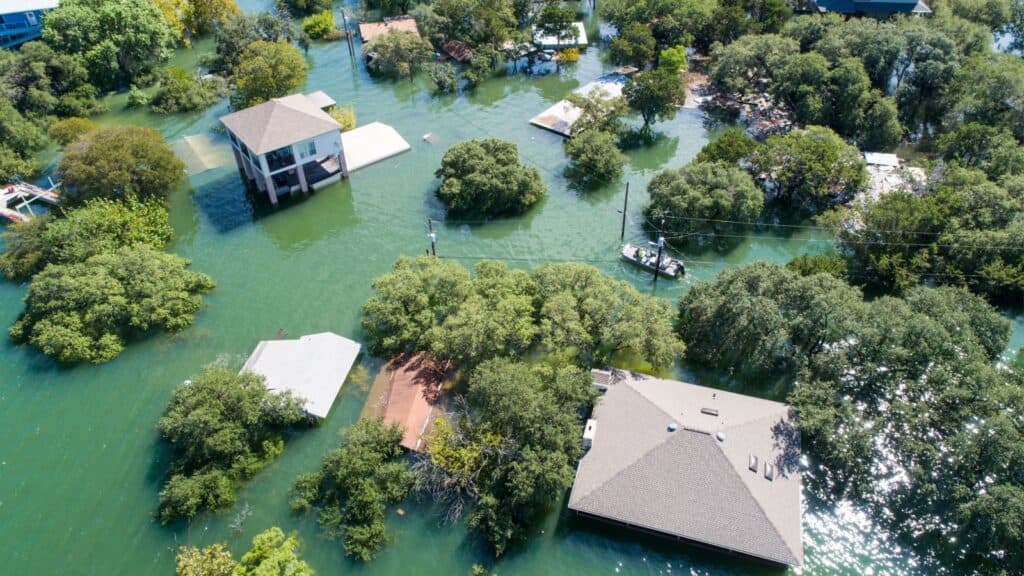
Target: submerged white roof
550	41
371	143
882	159
314	367
12	6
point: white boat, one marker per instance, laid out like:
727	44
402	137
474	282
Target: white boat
648	258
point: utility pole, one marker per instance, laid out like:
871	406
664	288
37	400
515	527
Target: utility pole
625	203
661	246
348	34
432	237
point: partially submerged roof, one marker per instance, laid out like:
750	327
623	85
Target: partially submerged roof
320	99
881	159
279	122
14	6
370	30
371	143
314	367
458	50
409	396
704	465
550	41
873	7
560	117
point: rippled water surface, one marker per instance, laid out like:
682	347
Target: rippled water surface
80	462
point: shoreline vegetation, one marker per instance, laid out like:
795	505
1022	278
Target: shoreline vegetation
887	346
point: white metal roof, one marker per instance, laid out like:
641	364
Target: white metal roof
882	159
320	99
314	367
371	143
13	6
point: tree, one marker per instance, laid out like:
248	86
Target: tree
731	146
683	22
703	199
398	53
119	162
267	70
67	130
762	318
557	21
811	167
319	26
19	140
87	311
738	67
634	45
512	448
41	82
96	227
673	60
593	158
443	76
223	427
992	150
655	94
485	177
988	89
239	31
599	110
355	484
120	40
182	92
272	553
823	263
307	6
201	17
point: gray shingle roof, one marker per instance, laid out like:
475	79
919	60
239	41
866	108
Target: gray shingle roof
688	483
279	122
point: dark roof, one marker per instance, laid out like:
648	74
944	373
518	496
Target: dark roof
873	7
678	459
458	50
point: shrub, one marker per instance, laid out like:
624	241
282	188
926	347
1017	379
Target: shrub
67	130
344	115
398	53
443	76
319	26
594	158
180	91
486	177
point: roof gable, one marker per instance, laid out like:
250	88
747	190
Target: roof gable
279	122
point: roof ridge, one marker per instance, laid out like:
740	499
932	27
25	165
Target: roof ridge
768	517
641	455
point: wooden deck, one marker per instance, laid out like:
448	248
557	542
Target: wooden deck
16	200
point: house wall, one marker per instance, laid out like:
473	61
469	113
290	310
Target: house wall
326	145
20	27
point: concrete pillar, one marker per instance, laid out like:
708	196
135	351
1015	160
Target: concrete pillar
344	166
271	190
302	178
250	171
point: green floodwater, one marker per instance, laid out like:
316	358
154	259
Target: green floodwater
80	461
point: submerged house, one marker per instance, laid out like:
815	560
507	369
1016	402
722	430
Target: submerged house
694	464
873	8
288	144
22	20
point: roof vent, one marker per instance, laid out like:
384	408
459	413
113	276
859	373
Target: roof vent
752	463
720	436
672	427
769	471
709	411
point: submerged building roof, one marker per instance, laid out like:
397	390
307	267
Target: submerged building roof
412	391
703	465
314	367
280	122
370	30
873	7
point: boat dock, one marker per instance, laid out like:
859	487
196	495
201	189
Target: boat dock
16	200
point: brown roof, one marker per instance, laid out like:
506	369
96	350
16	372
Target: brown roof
458	50
690	462
279	122
412	391
370	30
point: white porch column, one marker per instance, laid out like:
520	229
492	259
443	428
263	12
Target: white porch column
271	191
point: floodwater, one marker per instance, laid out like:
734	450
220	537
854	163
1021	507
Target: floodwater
80	460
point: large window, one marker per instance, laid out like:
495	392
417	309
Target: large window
280	158
31	17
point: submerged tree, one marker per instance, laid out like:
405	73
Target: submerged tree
223	427
87	311
355	484
486	177
655	95
398	53
267	70
594	158
272	553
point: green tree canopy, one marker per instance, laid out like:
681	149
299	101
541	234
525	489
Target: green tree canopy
633	45
703	198
19	140
120	39
201	17
599	110
98	226
485	177
67	130
810	167
398	53
739	66
119	162
731	146
267	70
558	21
272	554
355	484
307	6
235	34
223	427
180	91
41	82
655	95
594	158
992	150
988	89
87	311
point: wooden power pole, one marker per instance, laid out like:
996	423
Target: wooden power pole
661	246
625	203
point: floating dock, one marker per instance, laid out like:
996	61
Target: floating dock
16	200
370	144
560	117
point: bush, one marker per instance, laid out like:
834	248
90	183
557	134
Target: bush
98	226
485	177
305	6
241	422
594	158
569	55
344	115
443	76
319	26
87	311
180	91
137	98
119	162
67	130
